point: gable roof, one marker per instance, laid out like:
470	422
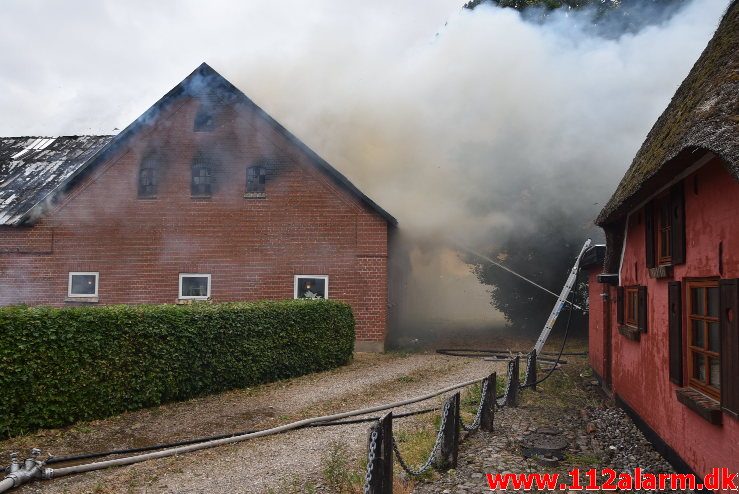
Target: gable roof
702	116
31	168
202	80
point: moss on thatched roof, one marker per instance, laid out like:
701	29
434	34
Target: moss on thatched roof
703	115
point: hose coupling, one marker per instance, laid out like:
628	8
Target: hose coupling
15	465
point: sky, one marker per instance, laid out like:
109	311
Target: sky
463	124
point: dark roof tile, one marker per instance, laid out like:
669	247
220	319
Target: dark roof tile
31	168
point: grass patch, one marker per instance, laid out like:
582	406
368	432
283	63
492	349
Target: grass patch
582	460
294	485
340	475
561	390
469	403
415	445
470	399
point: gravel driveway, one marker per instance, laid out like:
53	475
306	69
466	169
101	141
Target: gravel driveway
255	466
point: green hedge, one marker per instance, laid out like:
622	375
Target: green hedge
58	366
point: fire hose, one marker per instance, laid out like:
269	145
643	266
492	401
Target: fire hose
36	469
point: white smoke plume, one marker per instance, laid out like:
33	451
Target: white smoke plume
448	118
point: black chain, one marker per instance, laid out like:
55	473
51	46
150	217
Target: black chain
476	423
370	461
439	438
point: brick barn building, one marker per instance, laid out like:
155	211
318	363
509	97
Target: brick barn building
203	197
664	321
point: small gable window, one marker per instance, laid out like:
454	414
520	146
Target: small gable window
204	119
255	179
149	176
665	229
202	176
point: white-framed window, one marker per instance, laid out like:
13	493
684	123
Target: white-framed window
311	286
194	286
83	284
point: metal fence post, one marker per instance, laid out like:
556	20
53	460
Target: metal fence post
531	370
487	416
512	399
447	455
379	479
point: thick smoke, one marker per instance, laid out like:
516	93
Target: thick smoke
466	125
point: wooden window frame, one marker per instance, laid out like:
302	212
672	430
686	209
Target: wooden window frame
663	228
631	301
193	297
691	350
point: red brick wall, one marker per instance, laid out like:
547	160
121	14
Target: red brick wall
251	247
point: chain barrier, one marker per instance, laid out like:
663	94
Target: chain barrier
439	437
501	401
476	423
528	366
370	461
416	472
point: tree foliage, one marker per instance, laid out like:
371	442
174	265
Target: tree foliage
544	254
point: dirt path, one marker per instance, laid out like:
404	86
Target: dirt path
259	465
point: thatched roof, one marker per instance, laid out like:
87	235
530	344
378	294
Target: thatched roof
702	116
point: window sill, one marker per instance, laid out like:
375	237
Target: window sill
630	333
706	407
255	195
190	301
201	198
661	272
608	279
83	300
147	198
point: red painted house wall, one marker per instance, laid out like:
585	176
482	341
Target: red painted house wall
596	324
640	370
252	248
